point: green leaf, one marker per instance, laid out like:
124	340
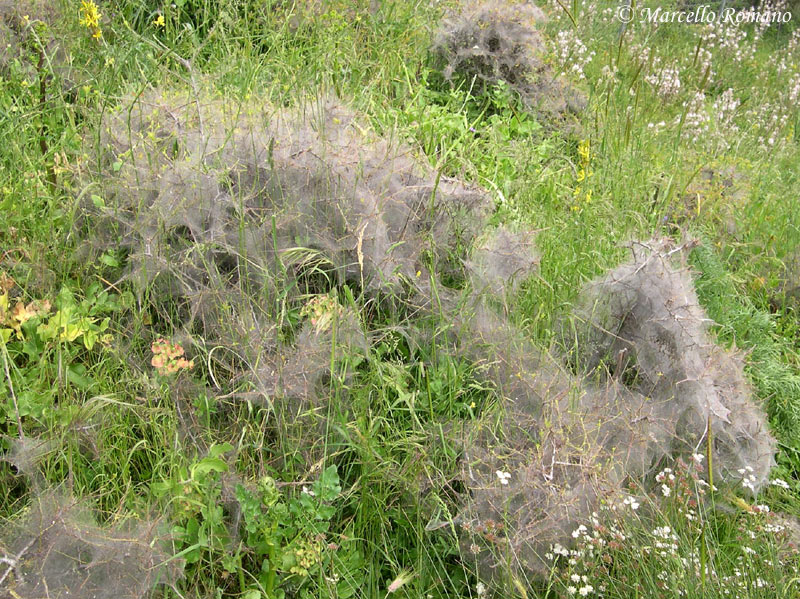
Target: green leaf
109	260
98	201
327	487
207	465
75	375
217	450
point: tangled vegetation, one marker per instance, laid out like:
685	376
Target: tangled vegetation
327	299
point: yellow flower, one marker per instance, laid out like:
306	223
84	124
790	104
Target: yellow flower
159	21
90	17
584	151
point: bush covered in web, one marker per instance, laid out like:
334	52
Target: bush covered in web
231	213
564	445
559	448
486	43
501	260
643	323
57	548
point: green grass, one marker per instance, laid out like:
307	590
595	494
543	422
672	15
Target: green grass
391	465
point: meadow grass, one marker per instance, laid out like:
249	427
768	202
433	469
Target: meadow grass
117	427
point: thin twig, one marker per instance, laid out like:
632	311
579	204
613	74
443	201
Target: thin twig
13	562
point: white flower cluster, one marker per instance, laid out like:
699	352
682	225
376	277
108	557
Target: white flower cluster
770	119
503	477
665	475
696	123
766	6
748	478
631	501
794	43
643	52
666	541
724	110
729	37
667	82
793	95
573	53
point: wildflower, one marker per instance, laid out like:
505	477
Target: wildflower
159	21
698	457
665	474
573	52
90	18
667	83
665	490
503	476
168	358
779	482
572	590
586	590
631	501
581	530
308	491
748	479
480	589
697	119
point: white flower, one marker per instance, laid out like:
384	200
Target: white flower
586	590
308	491
503	476
667	83
631	501
779	482
665	490
575	578
665	474
480	589
579	531
571	590
698	457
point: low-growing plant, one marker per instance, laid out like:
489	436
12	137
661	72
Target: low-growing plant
46	346
273	537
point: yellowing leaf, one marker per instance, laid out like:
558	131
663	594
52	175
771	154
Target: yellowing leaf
3	307
22	313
